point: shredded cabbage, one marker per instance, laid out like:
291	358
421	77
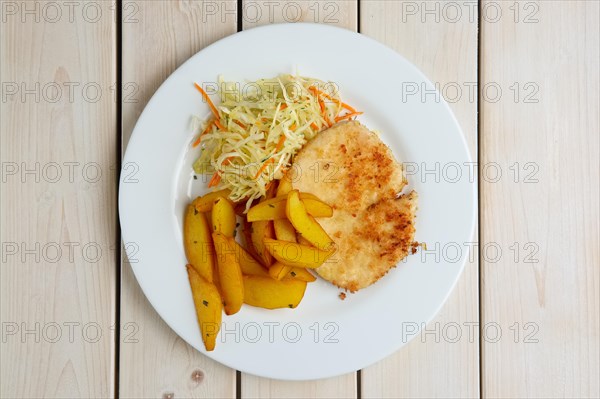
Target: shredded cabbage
266	123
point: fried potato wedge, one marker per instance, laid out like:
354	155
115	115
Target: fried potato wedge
248	265
305	224
284	230
223	217
209	308
272	189
285	186
302	240
278	270
261	230
247	237
316	207
275	208
301	274
197	243
230	274
296	255
264	292
206	202
268	210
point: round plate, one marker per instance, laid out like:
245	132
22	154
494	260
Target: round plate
324	336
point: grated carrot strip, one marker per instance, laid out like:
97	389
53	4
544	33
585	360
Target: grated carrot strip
264	166
211	106
347	116
215	179
203	133
343	104
280	143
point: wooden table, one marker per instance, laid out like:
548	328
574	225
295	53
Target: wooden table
521	77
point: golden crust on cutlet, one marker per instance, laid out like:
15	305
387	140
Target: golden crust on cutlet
350	168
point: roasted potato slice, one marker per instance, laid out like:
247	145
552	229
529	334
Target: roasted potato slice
248	265
247	238
272	189
223	217
197	243
278	270
205	203
301	274
261	230
267	210
265	292
316	207
275	208
305	224
284	231
302	240
285	186
230	274
209	308
296	255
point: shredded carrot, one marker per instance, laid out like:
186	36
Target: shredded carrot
323	111
264	166
283	106
280	143
227	160
215	179
268	186
325	116
314	126
293	127
320	92
206	129
321	105
347	116
211	105
240	124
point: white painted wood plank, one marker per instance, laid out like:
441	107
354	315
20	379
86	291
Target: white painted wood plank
158	36
58	146
342	13
543	212
444	47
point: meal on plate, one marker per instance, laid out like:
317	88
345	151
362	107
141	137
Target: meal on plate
309	188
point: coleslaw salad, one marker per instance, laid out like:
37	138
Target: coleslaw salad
257	128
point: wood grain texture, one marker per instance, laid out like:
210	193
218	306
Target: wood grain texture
158	36
57	203
444	47
343	14
548	54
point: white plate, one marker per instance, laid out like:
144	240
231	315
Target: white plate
324	336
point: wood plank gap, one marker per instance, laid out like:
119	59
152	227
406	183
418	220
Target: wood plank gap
240	27
358	2
118	163
240	15
479	251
